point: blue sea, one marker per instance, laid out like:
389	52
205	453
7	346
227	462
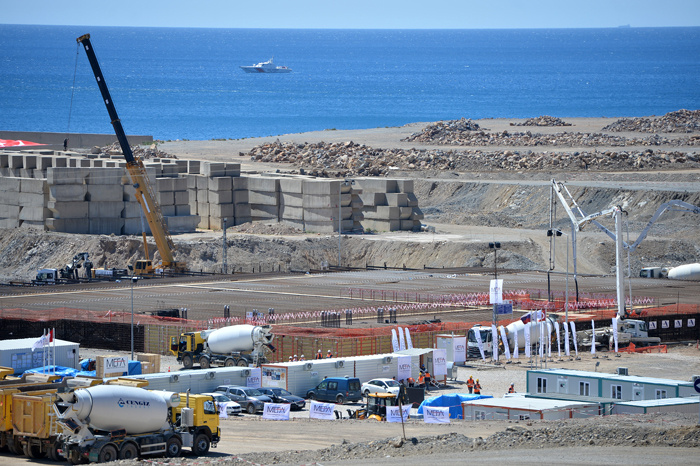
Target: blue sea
186	83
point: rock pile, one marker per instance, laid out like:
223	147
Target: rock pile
544	120
681	121
350	159
144	153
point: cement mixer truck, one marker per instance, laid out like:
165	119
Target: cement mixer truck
237	345
110	422
511	329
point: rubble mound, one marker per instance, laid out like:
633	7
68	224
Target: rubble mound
141	152
544	120
681	121
441	130
278	229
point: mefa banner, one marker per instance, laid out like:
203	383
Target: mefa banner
254	380
276	411
116	364
439	363
459	349
319	410
393	413
403	368
436	415
223	414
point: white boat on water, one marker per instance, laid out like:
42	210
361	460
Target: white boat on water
266	67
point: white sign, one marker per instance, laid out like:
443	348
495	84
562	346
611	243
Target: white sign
652	325
678	323
409	343
480	343
459	349
254	380
496	291
436	415
393	413
614	324
494	342
506	349
549	339
664	324
116	364
402	343
592	336
319	410
394	340
403	366
566	339
691	323
573	334
439	363
556	326
528	345
276	411
515	349
223	414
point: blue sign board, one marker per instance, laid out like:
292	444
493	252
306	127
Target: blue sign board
502	309
697	384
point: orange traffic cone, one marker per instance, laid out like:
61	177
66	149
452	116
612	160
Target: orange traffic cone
168	368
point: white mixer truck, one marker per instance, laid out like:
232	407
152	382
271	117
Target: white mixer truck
237	345
110	422
511	329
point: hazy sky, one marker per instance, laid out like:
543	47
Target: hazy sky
361	14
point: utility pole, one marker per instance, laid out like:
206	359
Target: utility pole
224	249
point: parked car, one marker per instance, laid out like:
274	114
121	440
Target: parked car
280	395
232	408
336	389
250	399
381	386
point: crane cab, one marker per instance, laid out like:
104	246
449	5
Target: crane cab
143	267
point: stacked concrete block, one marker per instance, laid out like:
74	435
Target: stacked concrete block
220	197
241	200
9	201
33	198
389	204
324	203
67	200
105	200
291	202
263	196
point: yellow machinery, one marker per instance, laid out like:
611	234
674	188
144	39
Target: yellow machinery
376	404
140	181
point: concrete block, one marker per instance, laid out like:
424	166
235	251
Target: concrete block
97	163
105	209
182	210
217	223
165	198
192	195
193	208
106	176
319	201
181	197
29	162
374	185
59	162
202	195
327	214
28	173
382	225
111	164
72	163
220	210
240	197
291	185
67	192
168	210
291	199
181	166
165	184
84	163
220	197
180	184
32	224
405	212
16	161
212	169
106	226
193	167
222	183
321	187
320	227
409	225
263	184
33	186
68	225
128	193
242	220
10	184
203	209
156	168
66	175
43	162
203	222
9	197
233	169
405	186
241	210
292	213
417	214
383	212
132	210
202	182
9	211
9	222
4	160
239	183
104	193
170	170
263	197
33	200
191	182
182	224
67	209
266	212
397	199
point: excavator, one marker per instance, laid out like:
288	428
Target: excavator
139	178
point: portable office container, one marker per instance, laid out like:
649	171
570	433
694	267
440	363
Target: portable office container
455	347
687	405
197	380
301	376
597	384
521	408
18	355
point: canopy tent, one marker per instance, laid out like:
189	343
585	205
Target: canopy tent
452	401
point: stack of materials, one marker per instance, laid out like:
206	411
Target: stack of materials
263	196
104	198
67	191
389	204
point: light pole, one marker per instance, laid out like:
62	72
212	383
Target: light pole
495	246
225	265
133	280
345	182
555	233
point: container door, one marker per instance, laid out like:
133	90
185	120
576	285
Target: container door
562	385
637	392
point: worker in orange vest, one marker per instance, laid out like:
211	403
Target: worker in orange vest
421	380
477	388
470	384
511	389
319	355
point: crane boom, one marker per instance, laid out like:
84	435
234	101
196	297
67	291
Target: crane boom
139	177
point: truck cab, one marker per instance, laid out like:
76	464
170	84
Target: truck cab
47	275
636	328
187	348
654	272
473	345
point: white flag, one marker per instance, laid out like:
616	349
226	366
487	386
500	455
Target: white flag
592	336
506	348
573	334
526	329
566	340
480	343
494	342
41	341
402	344
394	340
541	331
409	343
496	291
614	323
515	350
556	326
549	339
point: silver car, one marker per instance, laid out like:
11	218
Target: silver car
232	408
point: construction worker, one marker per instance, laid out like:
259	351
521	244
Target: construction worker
421	380
411	382
302	358
470	384
427	381
511	389
294	359
290	359
477	388
329	354
319	355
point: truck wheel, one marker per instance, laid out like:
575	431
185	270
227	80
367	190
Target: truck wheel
201	445
52	454
229	362
128	452
311	397
250	408
74	457
15	446
204	362
173	447
187	361
340	399
107	453
242	363
33	451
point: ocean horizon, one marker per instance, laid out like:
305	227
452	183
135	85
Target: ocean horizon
180	83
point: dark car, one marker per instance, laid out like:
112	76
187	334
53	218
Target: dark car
280	395
250	399
336	389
